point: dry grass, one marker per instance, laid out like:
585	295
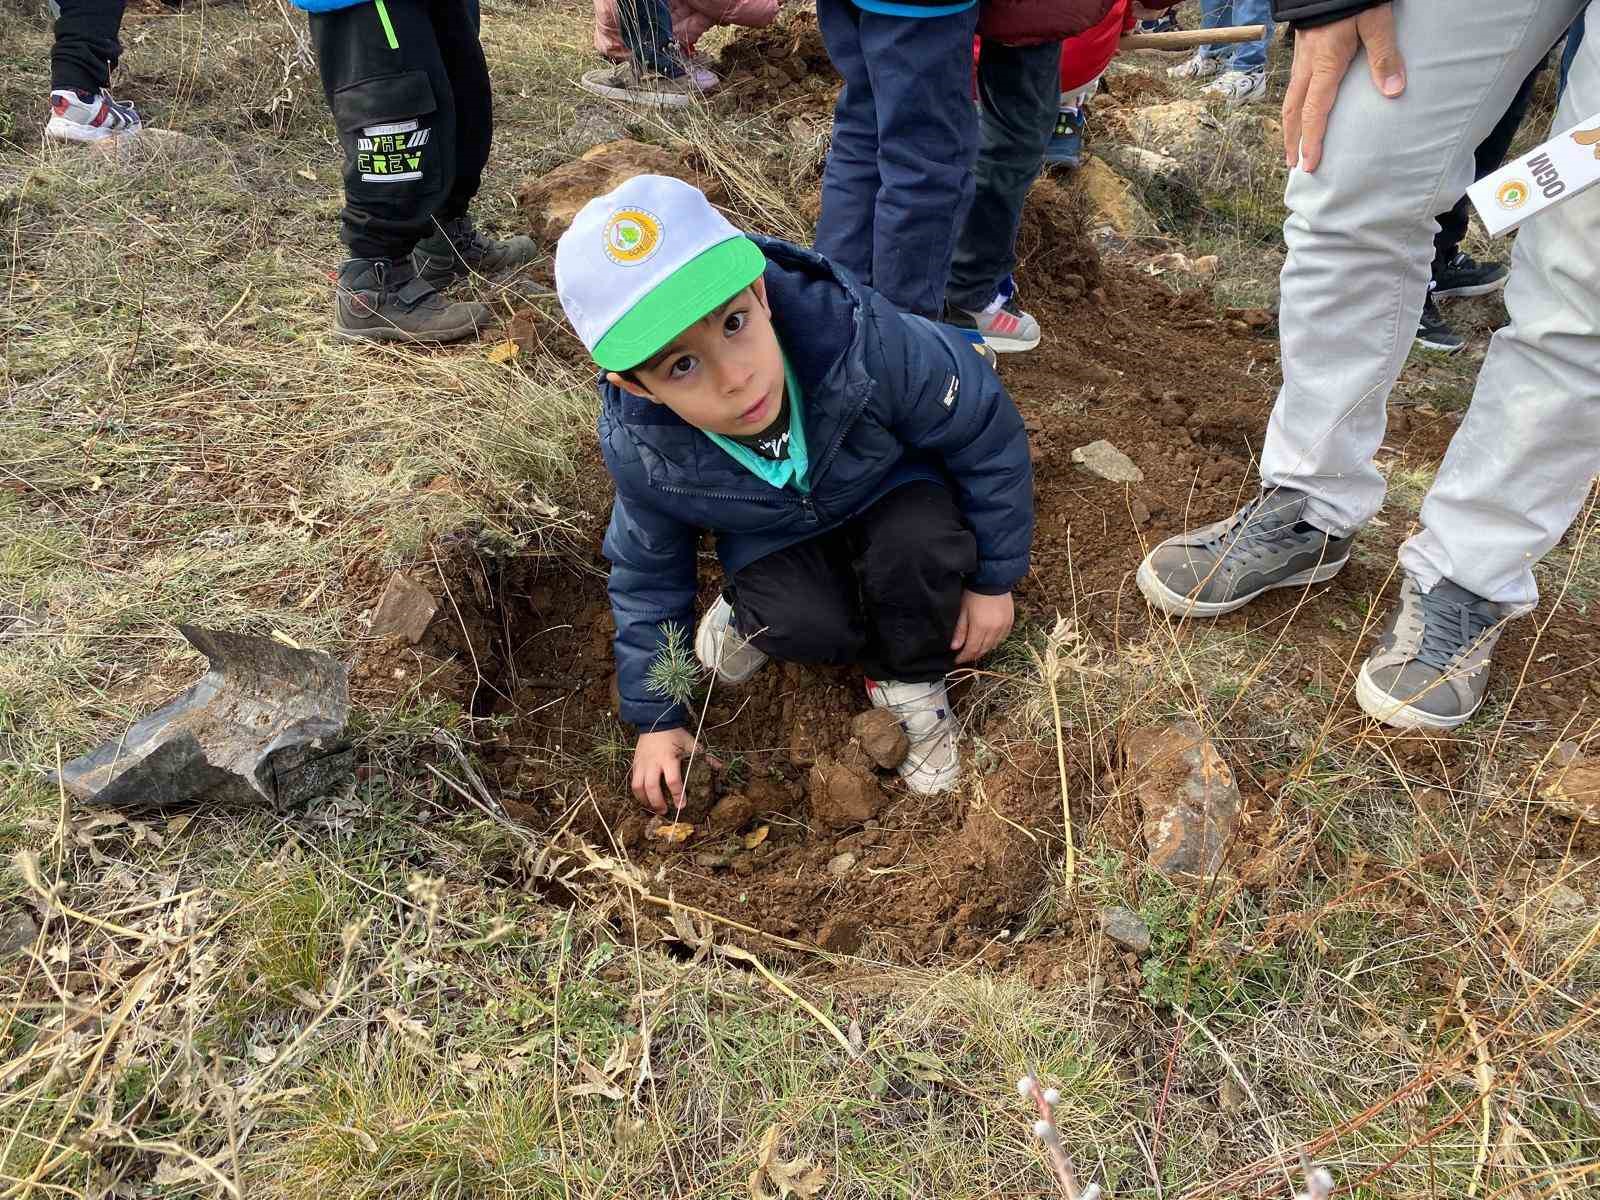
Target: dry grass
378	995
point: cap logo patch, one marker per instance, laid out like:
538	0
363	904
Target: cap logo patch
631	236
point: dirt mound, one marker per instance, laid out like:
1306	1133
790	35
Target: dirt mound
1054	250
783	69
549	202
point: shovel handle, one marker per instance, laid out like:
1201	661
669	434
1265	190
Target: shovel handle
1188	39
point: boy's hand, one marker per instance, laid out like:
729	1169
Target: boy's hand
982	625
658	768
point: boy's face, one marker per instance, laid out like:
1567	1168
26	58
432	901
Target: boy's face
723	374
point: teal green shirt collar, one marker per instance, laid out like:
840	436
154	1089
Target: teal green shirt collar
779	472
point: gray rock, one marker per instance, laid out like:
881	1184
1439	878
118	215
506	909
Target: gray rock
1123	926
1187	796
841	865
1105	460
404	609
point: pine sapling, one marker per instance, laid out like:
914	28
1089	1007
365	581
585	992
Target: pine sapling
1045	1130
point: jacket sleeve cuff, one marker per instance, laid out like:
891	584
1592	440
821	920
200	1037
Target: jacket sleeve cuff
993	580
1309	14
646	720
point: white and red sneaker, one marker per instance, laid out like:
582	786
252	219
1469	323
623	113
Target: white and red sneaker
74	118
1004	327
923	710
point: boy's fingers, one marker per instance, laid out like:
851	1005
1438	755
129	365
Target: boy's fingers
959	639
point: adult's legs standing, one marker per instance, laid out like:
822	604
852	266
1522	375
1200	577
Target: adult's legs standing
1360	238
86	48
921	71
850	179
1519	467
1252	56
1019	94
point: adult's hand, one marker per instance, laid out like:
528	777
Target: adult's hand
1322	55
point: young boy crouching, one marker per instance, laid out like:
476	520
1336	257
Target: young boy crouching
864	471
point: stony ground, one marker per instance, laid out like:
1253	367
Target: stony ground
479	971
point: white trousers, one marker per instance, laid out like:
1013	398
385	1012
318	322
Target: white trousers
1360	238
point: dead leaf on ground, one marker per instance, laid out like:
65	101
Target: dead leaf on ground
776	1180
598	1084
756	837
673	833
504	352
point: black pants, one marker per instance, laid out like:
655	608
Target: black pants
415	117
1491	152
882	592
1019	89
86	49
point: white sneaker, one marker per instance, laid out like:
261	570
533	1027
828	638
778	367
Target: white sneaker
74	119
923	709
1238	87
722	649
1198	65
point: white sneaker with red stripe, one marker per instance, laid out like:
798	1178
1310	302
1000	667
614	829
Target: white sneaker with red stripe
923	710
73	118
1004	327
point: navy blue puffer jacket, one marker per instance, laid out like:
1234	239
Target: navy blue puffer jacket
887	398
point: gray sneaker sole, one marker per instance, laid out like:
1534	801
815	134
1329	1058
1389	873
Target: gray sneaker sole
1440	347
1177	605
1388	710
629	96
1475	289
1009	345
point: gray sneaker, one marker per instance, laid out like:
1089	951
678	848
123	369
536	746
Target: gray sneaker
457	248
1431	667
647	89
383	300
1216	569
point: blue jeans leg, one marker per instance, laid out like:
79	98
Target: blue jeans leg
1252	56
1019	88
646	27
850	179
921	71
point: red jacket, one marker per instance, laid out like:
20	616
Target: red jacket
690	20
1029	22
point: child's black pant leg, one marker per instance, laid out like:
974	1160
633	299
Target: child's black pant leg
456	28
914	554
802	604
389	88
86	46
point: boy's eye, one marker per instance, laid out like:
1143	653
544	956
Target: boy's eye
681	367
734	322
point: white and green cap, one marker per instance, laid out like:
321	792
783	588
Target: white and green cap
641	264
